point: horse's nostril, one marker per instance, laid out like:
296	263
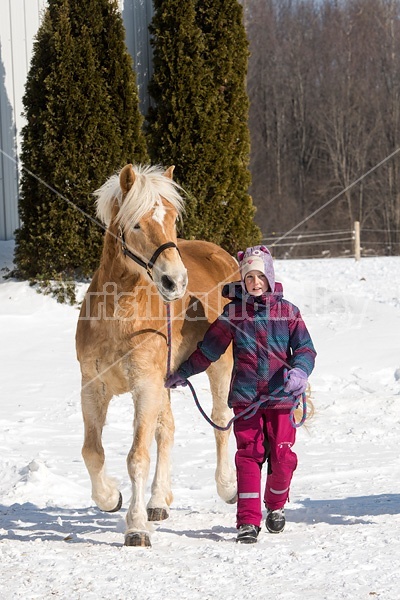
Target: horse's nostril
168	283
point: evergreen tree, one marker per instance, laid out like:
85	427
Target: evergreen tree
199	118
83	123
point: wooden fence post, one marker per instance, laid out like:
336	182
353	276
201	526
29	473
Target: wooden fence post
357	242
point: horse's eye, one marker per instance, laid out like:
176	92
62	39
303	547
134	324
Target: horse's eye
136	226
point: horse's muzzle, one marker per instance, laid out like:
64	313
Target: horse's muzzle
172	288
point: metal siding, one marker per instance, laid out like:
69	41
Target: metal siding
8	165
19	22
8	170
137	15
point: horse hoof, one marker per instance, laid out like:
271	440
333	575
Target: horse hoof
116	509
157	514
232	500
137	538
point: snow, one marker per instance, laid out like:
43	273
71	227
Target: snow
342	538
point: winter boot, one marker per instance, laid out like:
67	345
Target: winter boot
275	521
248	534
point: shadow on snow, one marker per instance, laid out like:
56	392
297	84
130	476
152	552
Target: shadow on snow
27	522
345	511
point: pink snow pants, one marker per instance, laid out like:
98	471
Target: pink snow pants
267	434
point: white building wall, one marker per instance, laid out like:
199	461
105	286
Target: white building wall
19	22
137	15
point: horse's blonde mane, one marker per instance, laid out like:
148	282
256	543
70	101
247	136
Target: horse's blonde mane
150	186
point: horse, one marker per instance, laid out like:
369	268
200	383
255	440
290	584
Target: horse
121	337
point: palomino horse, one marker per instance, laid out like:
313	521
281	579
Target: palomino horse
121	337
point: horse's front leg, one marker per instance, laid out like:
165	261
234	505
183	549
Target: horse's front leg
95	401
219	374
149	398
161	493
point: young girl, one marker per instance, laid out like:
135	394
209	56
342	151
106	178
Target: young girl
268	336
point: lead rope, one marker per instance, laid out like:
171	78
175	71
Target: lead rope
169	339
250	410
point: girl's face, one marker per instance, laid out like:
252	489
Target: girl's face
256	283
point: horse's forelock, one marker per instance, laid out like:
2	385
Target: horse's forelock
149	187
146	193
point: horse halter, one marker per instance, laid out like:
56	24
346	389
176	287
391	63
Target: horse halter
149	265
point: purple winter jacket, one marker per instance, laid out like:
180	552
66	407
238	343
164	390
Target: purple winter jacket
268	335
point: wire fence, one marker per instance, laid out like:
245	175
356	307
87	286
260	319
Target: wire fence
354	243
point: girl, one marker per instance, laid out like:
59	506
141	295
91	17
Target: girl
268	335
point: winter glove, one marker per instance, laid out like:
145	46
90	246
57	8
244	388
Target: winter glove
296	383
174	380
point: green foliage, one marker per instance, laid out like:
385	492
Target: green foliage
199	118
83	123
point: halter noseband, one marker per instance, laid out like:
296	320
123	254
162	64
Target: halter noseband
149	265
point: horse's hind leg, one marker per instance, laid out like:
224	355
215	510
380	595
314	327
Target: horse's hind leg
219	374
95	401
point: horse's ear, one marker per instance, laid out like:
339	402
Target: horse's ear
169	171
126	178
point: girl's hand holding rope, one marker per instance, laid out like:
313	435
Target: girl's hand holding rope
174	380
295	382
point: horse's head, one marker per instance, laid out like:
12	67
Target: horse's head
141	207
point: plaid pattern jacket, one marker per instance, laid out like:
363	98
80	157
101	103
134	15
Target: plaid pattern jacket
268	335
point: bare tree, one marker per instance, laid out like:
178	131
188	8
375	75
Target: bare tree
324	85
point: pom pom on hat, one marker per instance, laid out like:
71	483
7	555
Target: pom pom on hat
257	258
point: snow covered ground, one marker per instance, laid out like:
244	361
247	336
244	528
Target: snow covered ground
342	538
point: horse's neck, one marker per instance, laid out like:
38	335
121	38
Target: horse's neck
122	295
113	267
126	292
119	278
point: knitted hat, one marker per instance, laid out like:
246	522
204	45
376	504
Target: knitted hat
257	258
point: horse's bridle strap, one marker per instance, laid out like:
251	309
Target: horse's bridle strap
157	253
149	265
